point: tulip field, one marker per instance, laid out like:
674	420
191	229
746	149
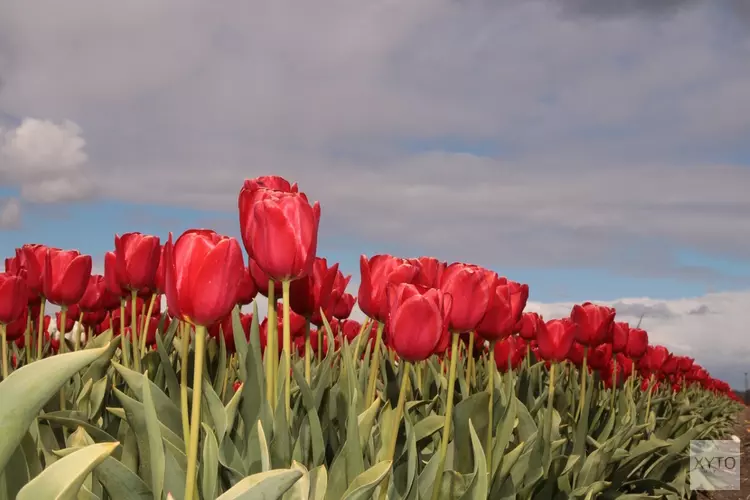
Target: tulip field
448	390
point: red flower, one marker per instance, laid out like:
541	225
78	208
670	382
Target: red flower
113	278
430	271
341	303
555	339
594	323
254	190
237	385
350	329
66	276
600	357
161	274
309	294
284	229
685	363
247	290
261	280
137	261
417	320
32	259
227	328
620	331
499	321
529	325
377	273
16	328
511	348
204	270
637	343
97	297
654	359
14	297
471	290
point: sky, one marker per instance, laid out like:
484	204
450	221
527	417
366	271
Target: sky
595	149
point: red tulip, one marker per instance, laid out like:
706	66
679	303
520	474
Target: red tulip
93	319
261	280
575	354
341	303
247	290
227	328
594	323
470	289
137	260
32	259
418	319
529	325
16	328
203	273
519	295
620	331
237	385
161	274
637	343
14	297
377	273
311	293
430	271
96	297
284	232
343	308
685	363
113	278
555	339
350	329
600	356
13	265
253	191
511	348
654	359
499	321
66	276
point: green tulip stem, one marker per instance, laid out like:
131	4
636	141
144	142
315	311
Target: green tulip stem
27	336
61	330
320	346
448	418
374	365
4	340
195	416
309	351
184	351
397	422
77	345
470	359
125	350
614	382
145	320
491	368
550	403
359	335
648	398
40	330
287	349
134	330
584	376
272	350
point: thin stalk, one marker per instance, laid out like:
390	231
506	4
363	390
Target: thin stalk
614	383
185	346
448	418
320	348
287	349
4	354
61	328
195	417
125	350
470	359
272	348
584	376
134	330
27	336
648	398
374	365
309	351
77	342
40	330
490	407
359	335
145	319
397	422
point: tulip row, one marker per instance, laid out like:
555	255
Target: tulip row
466	372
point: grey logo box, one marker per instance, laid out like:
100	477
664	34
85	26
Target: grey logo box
714	465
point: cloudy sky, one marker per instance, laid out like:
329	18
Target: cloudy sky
596	149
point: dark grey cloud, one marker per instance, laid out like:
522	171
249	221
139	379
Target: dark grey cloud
700	310
658	310
594	126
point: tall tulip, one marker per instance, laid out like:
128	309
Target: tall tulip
203	273
31	259
66	276
14	297
555	339
417	320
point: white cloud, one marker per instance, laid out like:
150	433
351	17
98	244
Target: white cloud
10	214
46	159
711	328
